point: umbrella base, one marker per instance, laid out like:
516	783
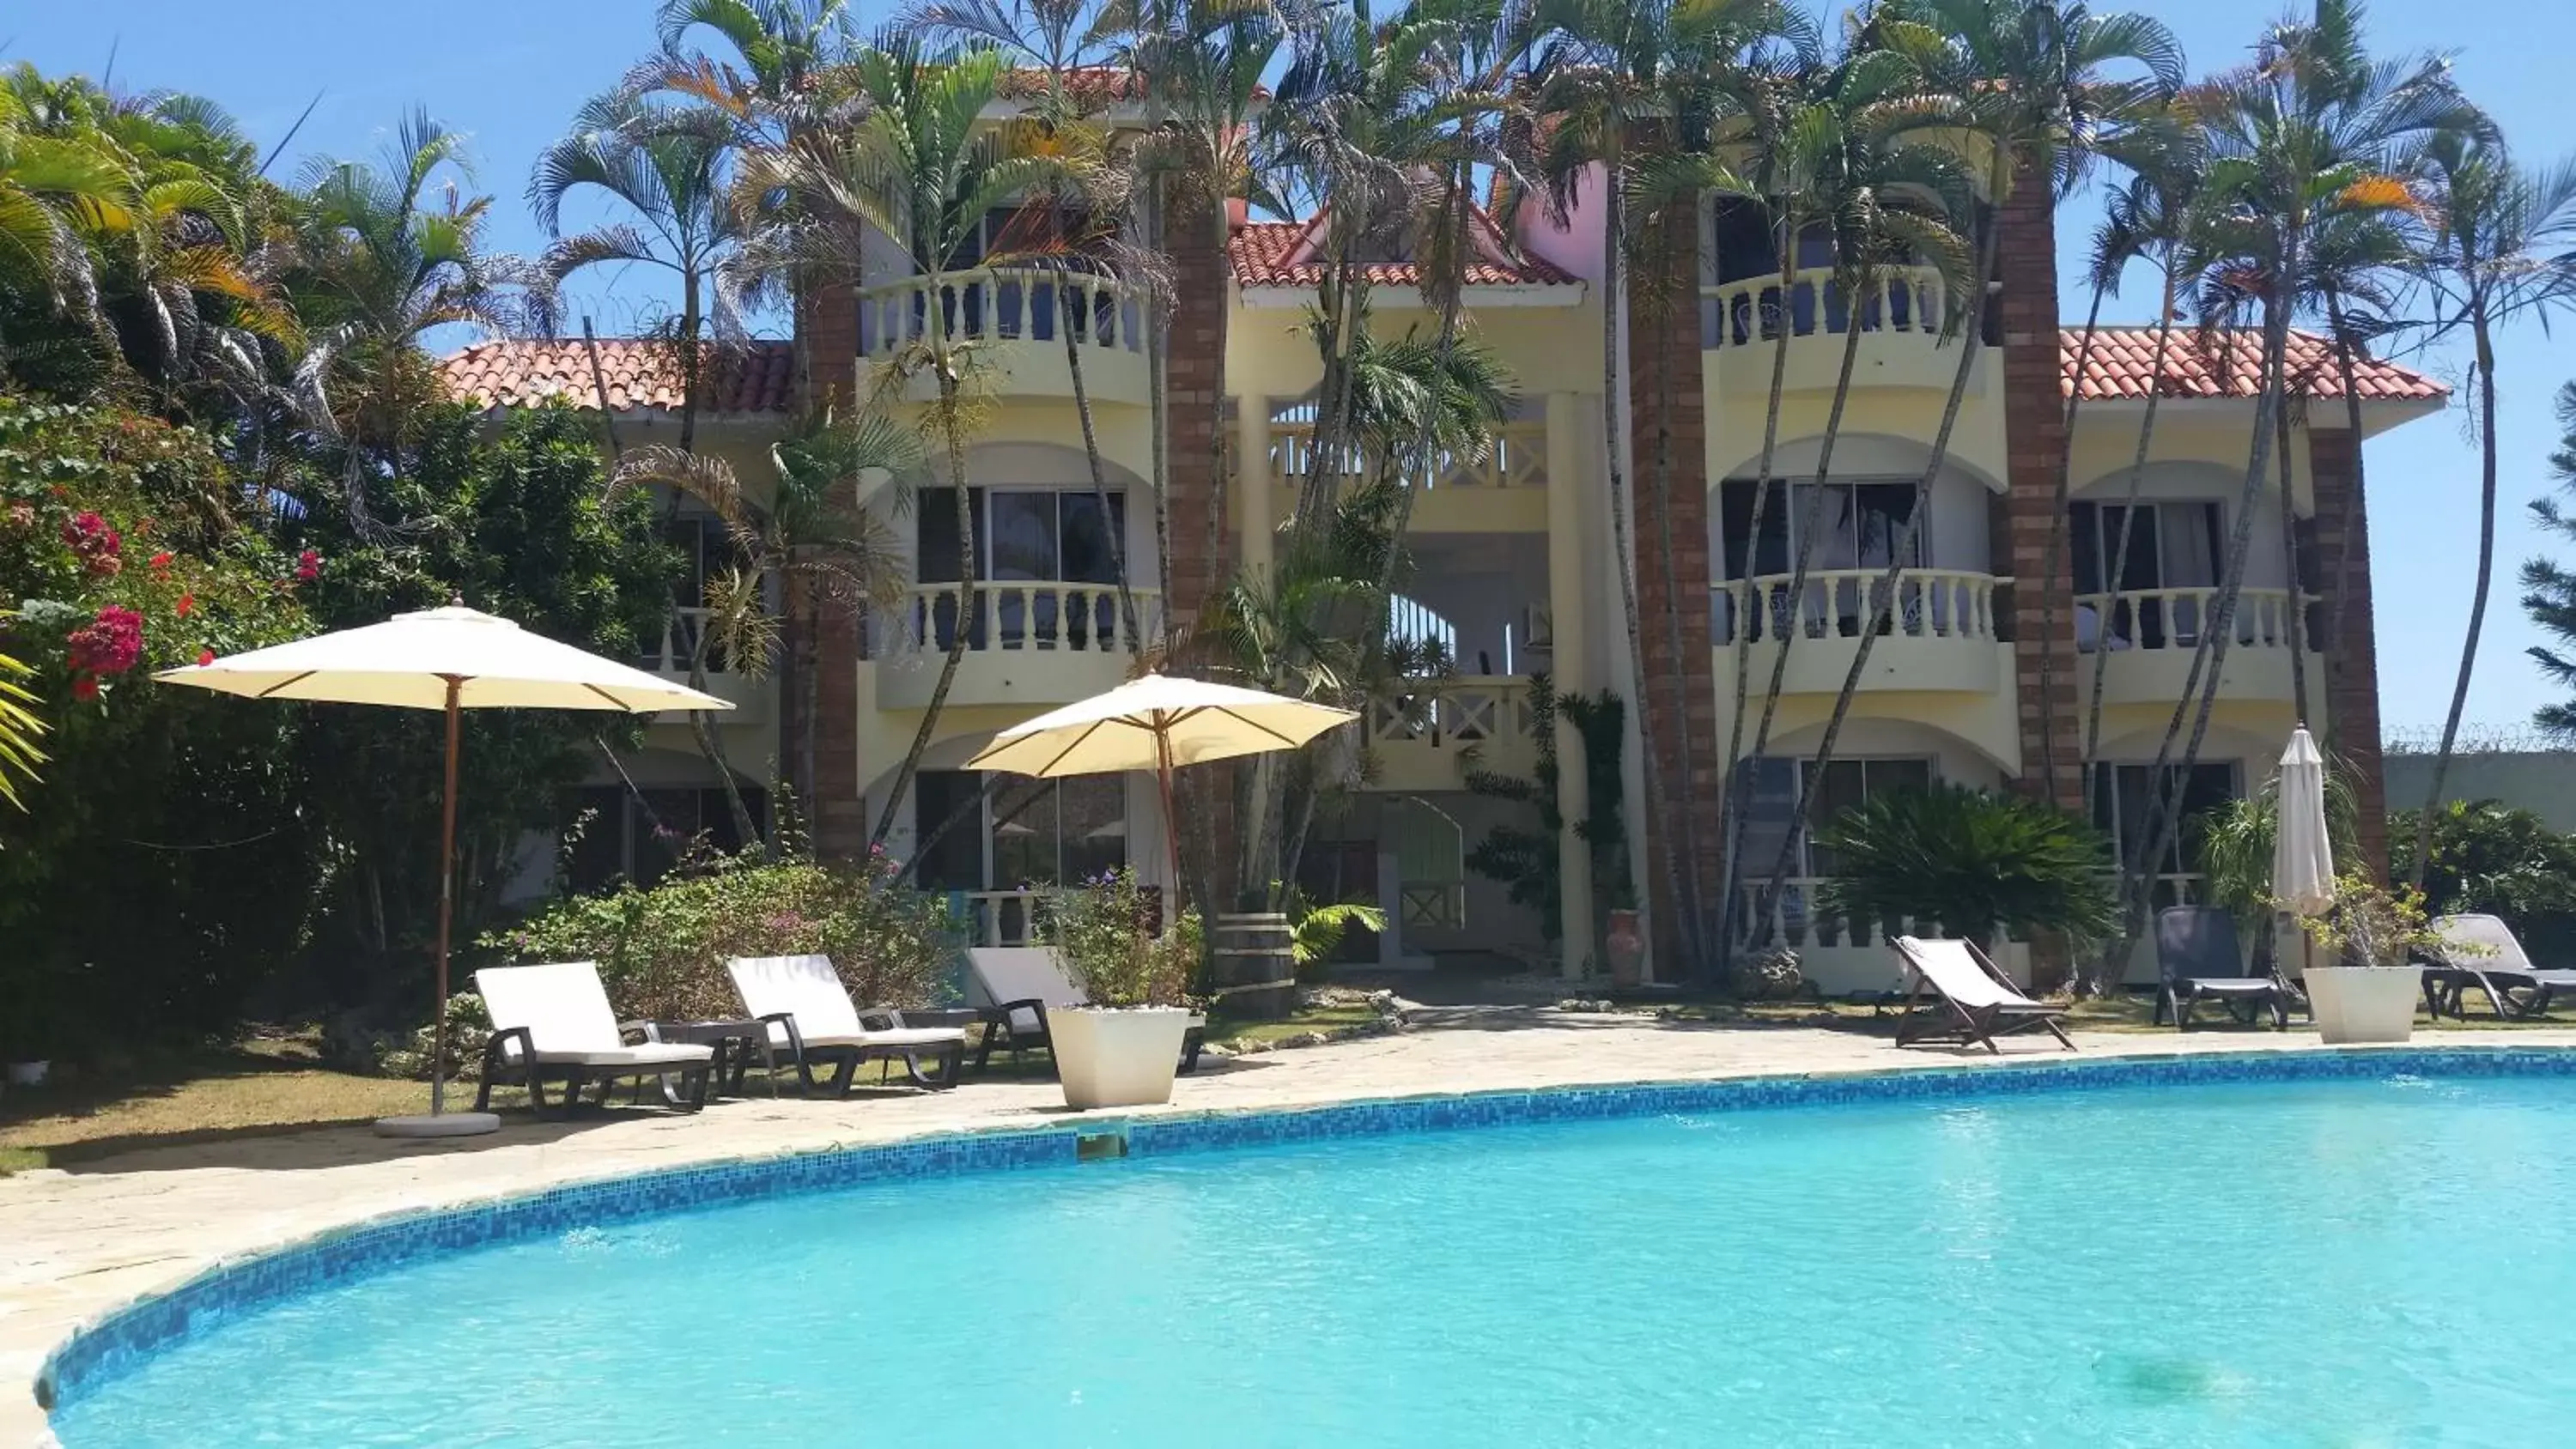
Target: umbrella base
443	1124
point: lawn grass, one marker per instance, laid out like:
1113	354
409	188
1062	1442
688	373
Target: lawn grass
1341	1017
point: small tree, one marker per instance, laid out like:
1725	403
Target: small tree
2493	858
1970	861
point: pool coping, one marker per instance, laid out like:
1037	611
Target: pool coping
114	1340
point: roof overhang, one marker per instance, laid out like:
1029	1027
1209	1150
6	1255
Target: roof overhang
1409	298
2324	414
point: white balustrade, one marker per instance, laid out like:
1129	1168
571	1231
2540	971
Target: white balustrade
2155	619
680	631
1036	615
1517	459
1472	710
1839	604
1799	921
1013	917
1003	304
1749	313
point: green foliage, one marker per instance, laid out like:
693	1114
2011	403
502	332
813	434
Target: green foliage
1971	861
2548	587
1526	861
2233	849
1100	927
661	951
2373	925
2492	858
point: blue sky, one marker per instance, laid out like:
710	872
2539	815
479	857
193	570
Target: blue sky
510	73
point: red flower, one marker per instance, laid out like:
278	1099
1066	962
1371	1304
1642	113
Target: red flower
89	535
109	644
186	602
205	656
161	561
85	687
308	566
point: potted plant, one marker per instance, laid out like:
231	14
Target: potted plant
1122	1048
2368	993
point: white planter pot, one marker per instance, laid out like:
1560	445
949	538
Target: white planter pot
2364	1003
1108	1057
28	1074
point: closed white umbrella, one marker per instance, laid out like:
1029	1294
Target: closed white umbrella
1157	723
2302	859
449	659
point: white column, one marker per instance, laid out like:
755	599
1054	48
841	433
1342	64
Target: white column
1568	665
1256	515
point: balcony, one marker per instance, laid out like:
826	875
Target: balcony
669	655
1015	319
1027	643
1901	321
1940	637
1503	492
2143	641
1429	738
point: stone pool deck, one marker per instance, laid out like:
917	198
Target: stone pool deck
77	1242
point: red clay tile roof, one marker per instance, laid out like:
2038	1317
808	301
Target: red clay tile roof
2123	362
520	372
1260	251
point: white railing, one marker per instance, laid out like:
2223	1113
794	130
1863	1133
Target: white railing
1003	304
1800	922
1075	618
1517	459
679	640
1839	604
1437	904
2176	618
1470	710
1749	312
1012	918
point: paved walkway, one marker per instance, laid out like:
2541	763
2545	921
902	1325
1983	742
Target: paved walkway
77	1242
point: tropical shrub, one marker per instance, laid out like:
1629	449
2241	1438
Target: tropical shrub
2491	857
2373	925
1103	927
1970	861
661	950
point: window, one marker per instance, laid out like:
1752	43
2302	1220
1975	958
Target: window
1021	832
1858	525
1770	786
2121	805
1025	535
639	836
2173	544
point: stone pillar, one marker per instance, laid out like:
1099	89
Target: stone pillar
1255	508
1670	489
2351	735
2035	445
1567	600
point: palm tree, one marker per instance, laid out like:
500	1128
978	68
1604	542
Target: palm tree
1868	185
20	729
666	165
2029	80
919	170
2503	245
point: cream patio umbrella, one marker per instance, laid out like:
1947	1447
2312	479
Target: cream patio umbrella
2302	859
1157	723
450	659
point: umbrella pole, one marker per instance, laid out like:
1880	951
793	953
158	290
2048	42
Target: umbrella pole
1171	821
446	907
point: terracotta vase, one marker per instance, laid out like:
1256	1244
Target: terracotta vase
1627	949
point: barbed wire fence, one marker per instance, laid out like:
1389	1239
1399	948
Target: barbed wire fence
2520	737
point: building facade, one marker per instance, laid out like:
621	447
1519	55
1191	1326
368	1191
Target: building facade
1988	657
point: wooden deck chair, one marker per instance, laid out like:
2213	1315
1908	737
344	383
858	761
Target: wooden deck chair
1954	994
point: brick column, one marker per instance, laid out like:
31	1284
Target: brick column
2035	453
2349	638
836	816
1664	362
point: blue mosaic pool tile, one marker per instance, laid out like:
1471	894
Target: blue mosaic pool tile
227	1290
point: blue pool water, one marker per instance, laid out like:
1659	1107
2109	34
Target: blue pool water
2321	1263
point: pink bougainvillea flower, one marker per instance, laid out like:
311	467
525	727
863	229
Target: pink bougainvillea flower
108	644
91	537
22	516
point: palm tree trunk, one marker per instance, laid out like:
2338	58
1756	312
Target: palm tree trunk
2111	564
1883	607
2059	524
2298	609
1747	608
1109	520
690	362
2339	630
2478	599
1615	479
1704	964
953	436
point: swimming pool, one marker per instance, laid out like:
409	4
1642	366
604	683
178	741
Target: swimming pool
2379	1258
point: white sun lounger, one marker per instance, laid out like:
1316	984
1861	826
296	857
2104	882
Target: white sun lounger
807	1014
1970	1002
1013	986
553	1022
2482	951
